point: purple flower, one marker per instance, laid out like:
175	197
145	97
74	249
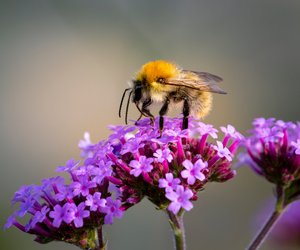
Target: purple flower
26	192
39	216
144	164
10	221
70	165
86	145
193	171
180	199
112	209
103	170
95	202
297	146
80	214
261	122
119	132
26	206
201	129
132	145
65	213
223	151
83	185
163	155
169	183
64	193
231	131
169	135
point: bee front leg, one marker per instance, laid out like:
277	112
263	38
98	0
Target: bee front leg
162	112
186	113
146	112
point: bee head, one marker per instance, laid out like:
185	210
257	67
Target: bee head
154	73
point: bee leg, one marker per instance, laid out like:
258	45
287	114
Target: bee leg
162	112
137	121
146	112
141	113
140	117
186	112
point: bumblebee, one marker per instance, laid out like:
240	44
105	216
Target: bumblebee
164	82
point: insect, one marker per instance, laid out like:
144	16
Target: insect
164	82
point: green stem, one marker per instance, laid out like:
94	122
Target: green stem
176	222
91	239
101	243
259	239
262	235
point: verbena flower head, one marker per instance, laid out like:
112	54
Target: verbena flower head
70	212
273	151
168	170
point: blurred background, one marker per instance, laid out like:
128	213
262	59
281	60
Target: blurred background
64	65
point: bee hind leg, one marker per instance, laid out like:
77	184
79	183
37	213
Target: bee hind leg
186	113
162	112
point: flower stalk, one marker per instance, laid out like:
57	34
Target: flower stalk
177	225
101	242
267	228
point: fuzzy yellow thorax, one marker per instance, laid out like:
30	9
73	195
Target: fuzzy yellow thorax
152	71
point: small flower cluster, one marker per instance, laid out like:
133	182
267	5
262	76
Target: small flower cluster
68	212
273	151
170	169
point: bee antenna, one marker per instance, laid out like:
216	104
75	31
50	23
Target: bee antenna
121	103
127	106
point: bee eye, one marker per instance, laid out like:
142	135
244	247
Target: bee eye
161	80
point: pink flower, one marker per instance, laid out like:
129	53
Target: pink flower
193	171
169	183
180	199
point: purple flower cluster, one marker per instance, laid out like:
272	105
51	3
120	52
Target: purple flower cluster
170	169
133	163
273	151
69	212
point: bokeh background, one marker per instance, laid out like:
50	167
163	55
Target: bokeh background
65	63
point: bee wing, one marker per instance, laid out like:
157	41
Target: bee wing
204	75
203	81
